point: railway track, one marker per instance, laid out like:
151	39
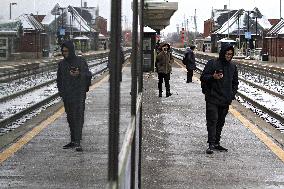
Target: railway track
46	91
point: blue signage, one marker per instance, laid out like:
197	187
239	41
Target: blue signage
248	35
62	31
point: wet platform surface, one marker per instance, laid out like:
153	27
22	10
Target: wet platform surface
174	144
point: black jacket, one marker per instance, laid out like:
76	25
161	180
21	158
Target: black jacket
72	87
221	91
190	60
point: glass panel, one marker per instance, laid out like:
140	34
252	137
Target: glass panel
3	43
3	53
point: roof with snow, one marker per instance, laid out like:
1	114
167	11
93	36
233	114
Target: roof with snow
77	18
277	29
28	22
238	23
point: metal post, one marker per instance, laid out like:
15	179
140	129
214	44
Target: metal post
10	11
280	9
256	31
10	6
134	83
114	92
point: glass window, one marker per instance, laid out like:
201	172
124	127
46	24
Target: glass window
3	43
3	53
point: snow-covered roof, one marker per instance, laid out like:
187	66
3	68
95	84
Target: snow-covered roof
76	17
277	29
238	23
148	29
29	22
82	37
227	40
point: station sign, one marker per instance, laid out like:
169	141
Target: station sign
248	35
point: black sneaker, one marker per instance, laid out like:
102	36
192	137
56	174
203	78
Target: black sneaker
168	94
220	148
210	149
69	145
78	147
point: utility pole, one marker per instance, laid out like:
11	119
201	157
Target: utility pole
280	10
195	26
11	4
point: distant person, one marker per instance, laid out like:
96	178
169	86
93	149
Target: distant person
203	47
220	78
164	68
73	81
189	62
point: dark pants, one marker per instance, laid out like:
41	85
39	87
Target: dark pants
215	117
189	75
75	118
166	77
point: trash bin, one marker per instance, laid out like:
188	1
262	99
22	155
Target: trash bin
265	57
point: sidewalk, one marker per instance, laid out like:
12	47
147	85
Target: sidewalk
174	144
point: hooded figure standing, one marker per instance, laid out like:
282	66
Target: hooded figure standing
189	61
221	80
73	81
164	68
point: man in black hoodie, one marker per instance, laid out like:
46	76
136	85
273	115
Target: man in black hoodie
221	79
73	81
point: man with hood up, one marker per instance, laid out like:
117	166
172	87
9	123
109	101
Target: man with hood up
189	61
73	81
221	79
164	62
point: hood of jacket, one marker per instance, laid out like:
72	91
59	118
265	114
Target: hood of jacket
224	48
70	46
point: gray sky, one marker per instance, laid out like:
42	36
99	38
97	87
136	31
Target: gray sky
270	8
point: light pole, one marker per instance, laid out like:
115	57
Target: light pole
11	4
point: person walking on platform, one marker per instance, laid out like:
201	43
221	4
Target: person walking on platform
164	67
189	62
73	81
219	82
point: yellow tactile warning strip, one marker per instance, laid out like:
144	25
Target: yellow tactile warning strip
27	137
279	152
36	130
260	134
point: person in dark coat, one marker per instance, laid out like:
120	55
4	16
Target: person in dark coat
73	81
221	78
189	57
163	63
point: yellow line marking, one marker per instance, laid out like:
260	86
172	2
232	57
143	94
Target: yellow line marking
260	134
28	136
36	130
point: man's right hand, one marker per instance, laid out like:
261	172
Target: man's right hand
217	75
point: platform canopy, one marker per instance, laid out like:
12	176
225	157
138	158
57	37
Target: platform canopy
157	13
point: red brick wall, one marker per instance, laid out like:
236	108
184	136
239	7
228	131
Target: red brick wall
208	27
101	25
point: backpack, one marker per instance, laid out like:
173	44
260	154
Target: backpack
184	59
205	86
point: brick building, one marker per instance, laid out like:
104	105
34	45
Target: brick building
275	42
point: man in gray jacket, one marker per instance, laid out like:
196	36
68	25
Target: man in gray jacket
220	78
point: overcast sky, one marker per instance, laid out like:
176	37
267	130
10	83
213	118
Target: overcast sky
269	8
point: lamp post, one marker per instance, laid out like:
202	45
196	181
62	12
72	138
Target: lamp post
11	4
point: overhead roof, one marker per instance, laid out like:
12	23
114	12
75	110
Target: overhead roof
157	14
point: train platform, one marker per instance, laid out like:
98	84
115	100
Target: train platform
173	144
